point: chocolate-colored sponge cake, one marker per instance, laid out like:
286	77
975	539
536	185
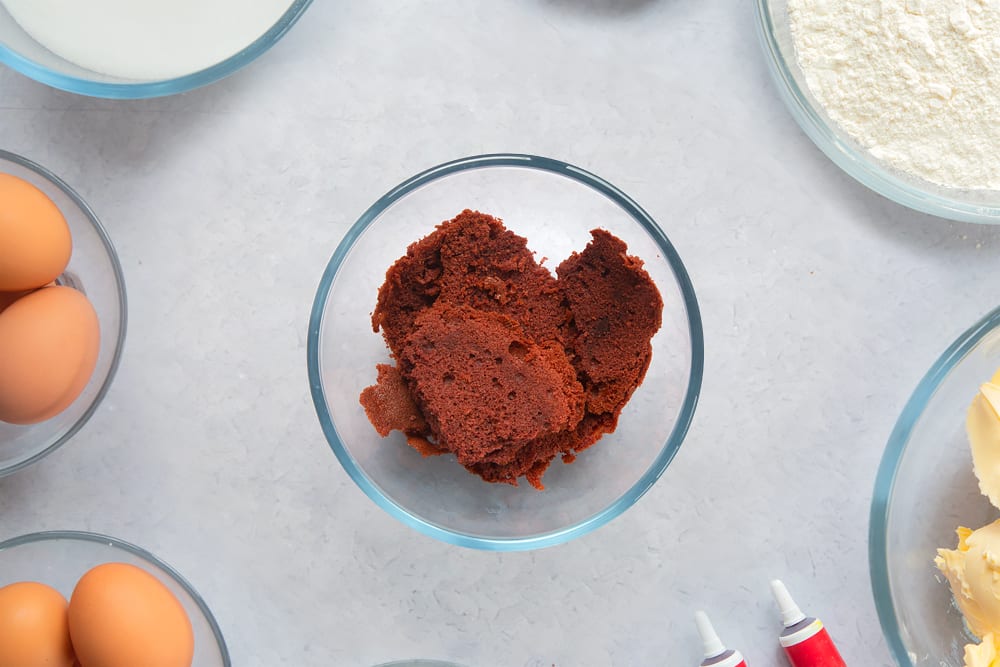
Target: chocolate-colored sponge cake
500	363
483	385
475	261
616	310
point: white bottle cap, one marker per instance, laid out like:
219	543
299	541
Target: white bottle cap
709	639
790	612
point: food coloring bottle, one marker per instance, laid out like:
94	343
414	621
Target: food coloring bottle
716	655
805	641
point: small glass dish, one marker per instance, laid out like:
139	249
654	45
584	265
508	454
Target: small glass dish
925	488
21	52
59	558
981	206
554	205
94	270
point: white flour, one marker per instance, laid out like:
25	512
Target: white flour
914	81
146	39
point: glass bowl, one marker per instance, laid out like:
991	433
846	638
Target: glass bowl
554	205
19	51
925	488
60	558
93	269
779	50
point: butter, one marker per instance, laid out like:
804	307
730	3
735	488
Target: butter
973	570
973	567
982	423
984	654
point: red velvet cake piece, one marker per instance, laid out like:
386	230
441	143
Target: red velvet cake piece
616	310
482	385
470	260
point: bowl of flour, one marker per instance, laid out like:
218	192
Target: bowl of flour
904	95
127	49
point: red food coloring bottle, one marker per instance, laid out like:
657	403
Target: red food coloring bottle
805	641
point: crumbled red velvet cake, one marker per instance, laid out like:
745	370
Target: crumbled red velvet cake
500	363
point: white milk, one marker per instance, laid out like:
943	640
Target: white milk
146	39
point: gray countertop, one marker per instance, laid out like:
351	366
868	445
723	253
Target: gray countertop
823	305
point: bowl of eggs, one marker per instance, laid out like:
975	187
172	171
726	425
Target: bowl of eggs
130	50
77	599
62	312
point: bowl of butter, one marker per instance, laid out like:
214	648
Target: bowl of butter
934	538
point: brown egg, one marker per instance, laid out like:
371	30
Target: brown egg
35	242
122	616
50	341
33	627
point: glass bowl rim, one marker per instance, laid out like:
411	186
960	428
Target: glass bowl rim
122	307
98	538
858	166
160	88
885	479
685	413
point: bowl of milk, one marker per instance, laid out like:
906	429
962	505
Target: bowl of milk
126	49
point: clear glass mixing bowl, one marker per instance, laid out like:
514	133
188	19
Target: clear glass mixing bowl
418	663
779	50
20	51
554	205
925	488
93	269
59	558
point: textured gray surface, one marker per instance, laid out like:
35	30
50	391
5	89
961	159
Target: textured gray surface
823	306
